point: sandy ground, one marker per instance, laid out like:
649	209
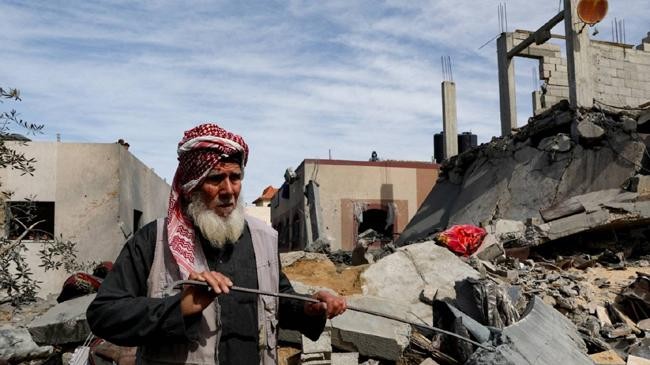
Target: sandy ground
344	281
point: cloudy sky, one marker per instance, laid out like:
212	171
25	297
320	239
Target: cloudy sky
296	78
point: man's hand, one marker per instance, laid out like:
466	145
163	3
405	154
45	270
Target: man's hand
194	298
330	305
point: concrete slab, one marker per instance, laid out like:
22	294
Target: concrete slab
63	323
369	335
542	336
403	275
16	346
345	358
322	345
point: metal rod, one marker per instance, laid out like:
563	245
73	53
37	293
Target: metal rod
178	283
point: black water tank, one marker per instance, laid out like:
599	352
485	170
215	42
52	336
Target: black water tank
466	141
438	147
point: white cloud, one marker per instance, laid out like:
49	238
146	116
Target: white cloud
296	78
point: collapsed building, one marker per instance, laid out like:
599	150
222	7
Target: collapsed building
562	275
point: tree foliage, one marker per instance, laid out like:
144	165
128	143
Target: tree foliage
16	277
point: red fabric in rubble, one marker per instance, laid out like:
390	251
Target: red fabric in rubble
463	239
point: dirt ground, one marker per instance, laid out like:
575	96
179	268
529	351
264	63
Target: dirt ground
618	280
345	281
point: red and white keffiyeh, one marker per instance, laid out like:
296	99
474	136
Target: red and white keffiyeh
200	150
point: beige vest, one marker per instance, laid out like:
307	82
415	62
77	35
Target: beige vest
164	271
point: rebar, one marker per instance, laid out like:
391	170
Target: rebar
178	283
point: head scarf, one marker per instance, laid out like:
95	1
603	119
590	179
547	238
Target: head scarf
200	150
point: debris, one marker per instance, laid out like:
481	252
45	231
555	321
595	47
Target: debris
403	275
345	358
607	358
16	345
542	336
370	335
493	181
634	360
603	317
587	132
63	323
317	352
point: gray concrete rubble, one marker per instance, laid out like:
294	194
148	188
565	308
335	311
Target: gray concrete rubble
365	334
542	336
63	323
403	275
16	345
494	181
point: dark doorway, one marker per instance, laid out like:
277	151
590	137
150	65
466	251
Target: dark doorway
375	219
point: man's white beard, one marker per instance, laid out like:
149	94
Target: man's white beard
216	229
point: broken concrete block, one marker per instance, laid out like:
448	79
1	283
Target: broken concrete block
588	132
289	258
603	317
402	275
429	361
607	358
542	336
644	324
314	359
16	345
322	345
558	143
628	124
641	349
345	358
639	184
635	360
491	249
369	335
63	323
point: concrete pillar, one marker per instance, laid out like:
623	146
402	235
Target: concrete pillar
449	127
507	100
578	51
537	101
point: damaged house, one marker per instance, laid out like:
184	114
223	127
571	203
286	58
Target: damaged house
336	200
94	194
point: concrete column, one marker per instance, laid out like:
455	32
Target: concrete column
578	51
537	101
449	127
507	100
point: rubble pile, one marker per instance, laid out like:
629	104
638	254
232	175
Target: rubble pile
543	165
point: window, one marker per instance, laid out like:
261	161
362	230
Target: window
37	218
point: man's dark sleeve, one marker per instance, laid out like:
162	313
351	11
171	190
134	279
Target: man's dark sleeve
292	313
123	314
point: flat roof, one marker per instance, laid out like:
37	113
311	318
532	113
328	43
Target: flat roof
384	163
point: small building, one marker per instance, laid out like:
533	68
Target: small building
94	194
261	206
336	200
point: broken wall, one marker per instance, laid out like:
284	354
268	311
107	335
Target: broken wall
621	71
547	162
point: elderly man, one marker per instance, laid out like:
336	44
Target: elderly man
207	237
